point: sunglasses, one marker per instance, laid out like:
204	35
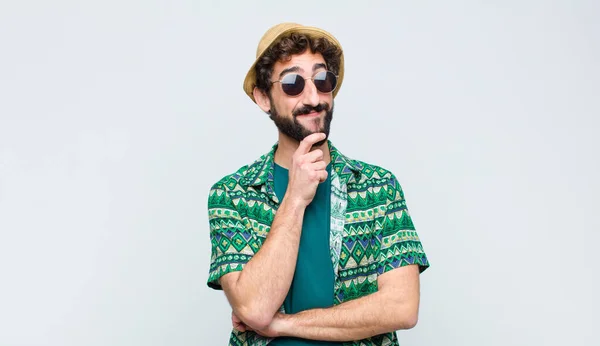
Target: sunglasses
293	83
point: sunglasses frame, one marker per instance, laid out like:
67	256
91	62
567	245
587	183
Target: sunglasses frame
305	79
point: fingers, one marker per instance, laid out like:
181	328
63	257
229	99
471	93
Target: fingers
322	176
318	165
308	142
234	318
237	323
313	156
240	327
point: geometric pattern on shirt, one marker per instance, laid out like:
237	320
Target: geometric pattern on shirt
373	232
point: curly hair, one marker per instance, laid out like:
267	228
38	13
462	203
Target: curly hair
292	44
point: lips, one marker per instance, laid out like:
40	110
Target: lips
308	111
311	114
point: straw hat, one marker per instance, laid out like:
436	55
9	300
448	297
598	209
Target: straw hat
272	36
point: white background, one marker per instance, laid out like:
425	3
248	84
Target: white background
117	116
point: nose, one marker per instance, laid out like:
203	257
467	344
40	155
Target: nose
310	95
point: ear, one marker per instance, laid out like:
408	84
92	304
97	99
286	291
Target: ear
262	100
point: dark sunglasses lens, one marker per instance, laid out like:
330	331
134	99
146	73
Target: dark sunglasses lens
325	81
292	84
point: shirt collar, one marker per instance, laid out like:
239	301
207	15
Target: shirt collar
261	171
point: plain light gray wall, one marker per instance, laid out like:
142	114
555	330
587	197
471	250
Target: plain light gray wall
117	116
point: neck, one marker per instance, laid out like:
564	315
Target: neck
287	146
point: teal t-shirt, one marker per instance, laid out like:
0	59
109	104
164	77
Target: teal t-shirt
312	285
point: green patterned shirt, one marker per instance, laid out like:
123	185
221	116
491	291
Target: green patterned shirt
371	230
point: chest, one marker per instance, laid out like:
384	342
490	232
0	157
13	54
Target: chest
356	216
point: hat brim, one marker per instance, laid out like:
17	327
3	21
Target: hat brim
250	80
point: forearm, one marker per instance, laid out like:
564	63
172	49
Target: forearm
263	284
375	314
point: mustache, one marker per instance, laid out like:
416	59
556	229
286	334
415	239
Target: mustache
307	109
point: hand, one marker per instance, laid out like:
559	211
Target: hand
307	171
275	329
238	324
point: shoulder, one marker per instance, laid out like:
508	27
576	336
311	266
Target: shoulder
366	173
374	177
231	181
228	191
369	172
249	174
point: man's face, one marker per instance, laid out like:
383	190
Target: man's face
309	112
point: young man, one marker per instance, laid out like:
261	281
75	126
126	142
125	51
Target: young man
311	247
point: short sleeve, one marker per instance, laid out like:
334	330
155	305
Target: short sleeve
232	243
400	243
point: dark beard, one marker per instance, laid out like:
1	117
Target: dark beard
292	127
